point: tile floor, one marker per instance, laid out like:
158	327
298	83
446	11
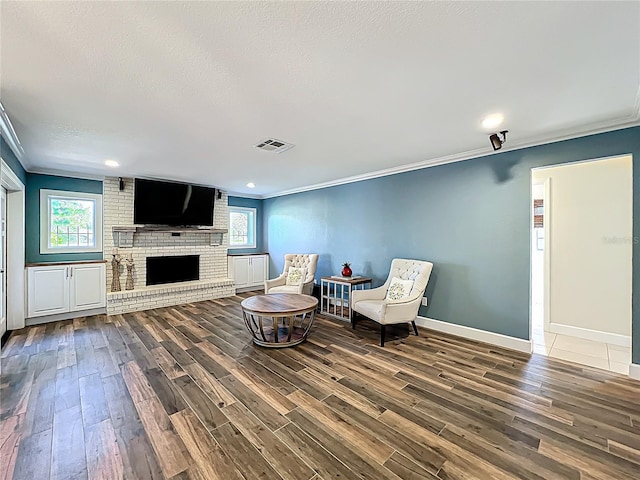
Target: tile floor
587	352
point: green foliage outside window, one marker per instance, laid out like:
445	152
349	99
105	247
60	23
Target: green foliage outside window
72	222
239	223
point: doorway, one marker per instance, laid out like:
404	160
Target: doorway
581	247
13	285
542	342
3	261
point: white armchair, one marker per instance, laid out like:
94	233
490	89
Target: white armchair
374	304
307	261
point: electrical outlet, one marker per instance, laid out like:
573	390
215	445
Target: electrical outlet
424	301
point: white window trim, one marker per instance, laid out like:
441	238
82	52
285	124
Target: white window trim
252	210
44	221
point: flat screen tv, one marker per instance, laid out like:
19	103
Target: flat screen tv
175	204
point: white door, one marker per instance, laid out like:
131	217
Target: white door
87	289
48	290
258	269
241	271
3	261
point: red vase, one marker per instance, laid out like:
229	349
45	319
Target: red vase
346	272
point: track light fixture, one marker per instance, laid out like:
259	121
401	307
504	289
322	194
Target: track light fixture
496	143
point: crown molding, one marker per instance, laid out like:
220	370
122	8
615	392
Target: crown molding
8	178
65	173
244	195
11	137
586	130
636	109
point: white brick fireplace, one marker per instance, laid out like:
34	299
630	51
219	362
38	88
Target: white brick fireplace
213	281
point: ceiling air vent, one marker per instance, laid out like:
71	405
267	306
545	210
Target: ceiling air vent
274	145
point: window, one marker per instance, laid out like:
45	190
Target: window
242	227
70	222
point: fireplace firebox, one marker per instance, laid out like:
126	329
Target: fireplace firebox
173	269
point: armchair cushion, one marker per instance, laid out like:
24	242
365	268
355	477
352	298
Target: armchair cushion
286	289
296	276
371	309
399	290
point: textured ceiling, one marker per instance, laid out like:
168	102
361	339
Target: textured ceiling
183	90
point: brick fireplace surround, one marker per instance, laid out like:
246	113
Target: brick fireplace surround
213	283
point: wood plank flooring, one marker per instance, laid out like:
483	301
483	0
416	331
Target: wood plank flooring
181	393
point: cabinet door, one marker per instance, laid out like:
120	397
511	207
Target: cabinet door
48	290
241	271
87	287
258	270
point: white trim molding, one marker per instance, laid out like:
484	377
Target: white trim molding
252	219
634	371
15	247
586	130
497	339
10	136
29	322
9	179
45	218
594	335
67	173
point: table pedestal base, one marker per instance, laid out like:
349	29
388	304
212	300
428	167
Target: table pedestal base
290	331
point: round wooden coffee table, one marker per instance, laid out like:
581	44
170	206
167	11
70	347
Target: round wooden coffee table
279	319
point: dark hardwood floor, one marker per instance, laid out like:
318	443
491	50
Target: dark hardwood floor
181	393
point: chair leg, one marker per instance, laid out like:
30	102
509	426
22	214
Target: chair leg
353	320
382	328
415	328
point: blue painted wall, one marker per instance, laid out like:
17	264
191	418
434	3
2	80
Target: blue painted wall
10	159
250	203
470	218
36	182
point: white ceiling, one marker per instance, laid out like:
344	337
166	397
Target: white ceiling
182	90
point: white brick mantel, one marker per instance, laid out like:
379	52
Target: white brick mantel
214	281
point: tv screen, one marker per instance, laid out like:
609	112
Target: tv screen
175	204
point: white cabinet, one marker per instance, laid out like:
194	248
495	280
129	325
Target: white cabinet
63	288
257	270
48	289
87	288
239	270
248	271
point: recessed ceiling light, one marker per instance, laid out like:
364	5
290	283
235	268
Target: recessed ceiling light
492	121
111	163
251	185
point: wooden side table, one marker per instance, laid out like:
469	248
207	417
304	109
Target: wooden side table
335	294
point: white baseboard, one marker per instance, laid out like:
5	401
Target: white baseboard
634	371
470	333
29	322
587	334
249	289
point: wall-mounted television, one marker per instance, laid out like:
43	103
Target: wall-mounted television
175	204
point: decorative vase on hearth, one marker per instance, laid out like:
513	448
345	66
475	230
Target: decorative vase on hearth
115	273
129	264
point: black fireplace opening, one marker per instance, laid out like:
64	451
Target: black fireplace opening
180	268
